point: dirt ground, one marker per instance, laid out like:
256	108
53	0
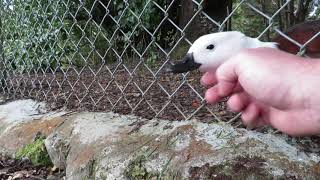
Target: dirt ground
165	96
128	90
23	169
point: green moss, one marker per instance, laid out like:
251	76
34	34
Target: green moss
36	152
136	169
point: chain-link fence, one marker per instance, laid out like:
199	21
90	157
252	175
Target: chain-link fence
111	55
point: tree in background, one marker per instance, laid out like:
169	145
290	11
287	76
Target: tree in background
53	35
190	15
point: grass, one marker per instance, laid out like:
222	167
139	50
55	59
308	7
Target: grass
36	152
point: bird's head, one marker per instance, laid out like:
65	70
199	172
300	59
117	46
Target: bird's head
211	50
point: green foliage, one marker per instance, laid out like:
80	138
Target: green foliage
30	29
56	35
36	152
138	20
315	13
134	13
50	34
247	21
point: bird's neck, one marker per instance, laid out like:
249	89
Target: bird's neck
256	43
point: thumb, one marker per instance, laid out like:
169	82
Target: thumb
227	76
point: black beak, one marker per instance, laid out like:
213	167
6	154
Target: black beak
187	64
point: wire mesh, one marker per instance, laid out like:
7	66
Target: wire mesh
104	55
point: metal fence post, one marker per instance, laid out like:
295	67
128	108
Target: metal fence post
2	63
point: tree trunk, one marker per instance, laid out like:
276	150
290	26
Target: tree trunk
229	10
283	15
266	22
217	10
291	13
290	16
279	4
302	10
187	11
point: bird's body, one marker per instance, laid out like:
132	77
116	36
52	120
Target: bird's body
301	33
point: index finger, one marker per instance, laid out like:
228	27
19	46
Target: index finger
209	79
227	78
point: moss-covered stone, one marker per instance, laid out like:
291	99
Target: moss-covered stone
136	169
36	152
240	168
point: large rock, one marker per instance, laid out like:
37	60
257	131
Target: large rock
111	146
22	120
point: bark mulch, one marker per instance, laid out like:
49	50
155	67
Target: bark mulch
23	169
166	96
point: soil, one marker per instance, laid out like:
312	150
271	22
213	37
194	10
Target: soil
122	90
23	169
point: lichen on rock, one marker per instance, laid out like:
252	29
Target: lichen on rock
36	152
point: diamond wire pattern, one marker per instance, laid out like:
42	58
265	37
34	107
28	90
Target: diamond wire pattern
115	79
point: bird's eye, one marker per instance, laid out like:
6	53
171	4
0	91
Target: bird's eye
210	47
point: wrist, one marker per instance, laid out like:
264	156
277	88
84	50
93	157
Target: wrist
308	84
316	63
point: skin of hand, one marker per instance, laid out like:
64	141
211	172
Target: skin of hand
269	87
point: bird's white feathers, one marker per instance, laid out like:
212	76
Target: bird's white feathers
225	44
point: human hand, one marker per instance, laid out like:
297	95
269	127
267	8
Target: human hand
269	87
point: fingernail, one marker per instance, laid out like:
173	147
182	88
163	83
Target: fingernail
250	126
